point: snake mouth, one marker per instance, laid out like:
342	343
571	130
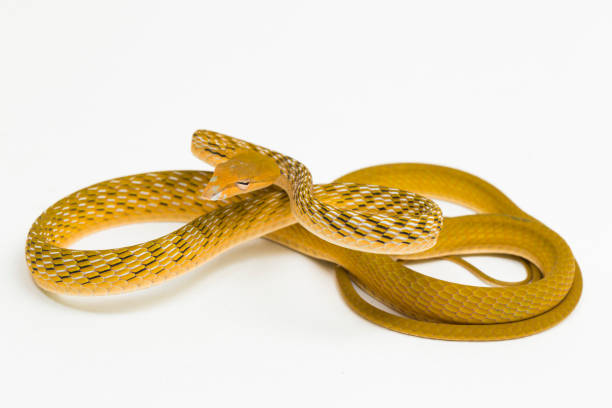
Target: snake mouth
212	192
215	197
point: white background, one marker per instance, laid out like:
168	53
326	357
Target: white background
515	92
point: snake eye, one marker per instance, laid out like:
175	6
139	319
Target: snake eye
243	185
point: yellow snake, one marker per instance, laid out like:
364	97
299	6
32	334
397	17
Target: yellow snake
366	222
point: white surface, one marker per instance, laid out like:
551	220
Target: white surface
516	92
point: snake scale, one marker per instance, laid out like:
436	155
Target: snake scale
367	223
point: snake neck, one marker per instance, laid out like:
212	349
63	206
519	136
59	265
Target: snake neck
296	180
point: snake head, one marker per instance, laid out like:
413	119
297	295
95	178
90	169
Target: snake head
245	172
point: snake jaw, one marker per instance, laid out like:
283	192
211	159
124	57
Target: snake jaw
212	192
218	196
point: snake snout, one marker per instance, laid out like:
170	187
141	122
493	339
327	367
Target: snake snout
212	192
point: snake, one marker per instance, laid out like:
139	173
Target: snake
372	224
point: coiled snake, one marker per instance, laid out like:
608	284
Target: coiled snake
365	222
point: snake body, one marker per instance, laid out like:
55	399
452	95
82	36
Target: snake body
365	222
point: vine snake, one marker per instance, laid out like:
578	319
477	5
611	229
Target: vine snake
366	223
